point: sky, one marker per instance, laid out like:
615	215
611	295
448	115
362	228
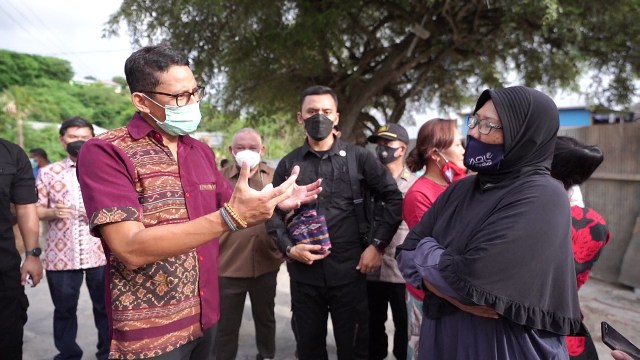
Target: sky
69	29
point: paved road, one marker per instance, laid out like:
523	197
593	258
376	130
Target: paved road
600	302
38	337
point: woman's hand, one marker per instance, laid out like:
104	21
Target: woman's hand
478	310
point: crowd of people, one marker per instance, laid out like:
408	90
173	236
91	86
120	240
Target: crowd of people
479	257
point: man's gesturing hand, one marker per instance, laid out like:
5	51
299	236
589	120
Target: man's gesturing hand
301	195
257	206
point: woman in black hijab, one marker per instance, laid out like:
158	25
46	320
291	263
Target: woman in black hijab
494	251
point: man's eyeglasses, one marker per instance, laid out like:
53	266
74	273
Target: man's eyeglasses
183	98
484	126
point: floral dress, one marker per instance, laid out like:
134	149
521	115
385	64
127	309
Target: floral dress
589	235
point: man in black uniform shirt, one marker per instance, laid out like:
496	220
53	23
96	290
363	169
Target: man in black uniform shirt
17	186
334	282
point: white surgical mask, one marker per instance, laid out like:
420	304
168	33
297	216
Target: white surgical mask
179	120
252	158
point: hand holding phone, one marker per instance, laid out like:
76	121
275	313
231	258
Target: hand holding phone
615	341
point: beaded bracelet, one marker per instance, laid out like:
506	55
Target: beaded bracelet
242	223
227	219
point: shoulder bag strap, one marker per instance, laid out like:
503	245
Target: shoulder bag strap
356	191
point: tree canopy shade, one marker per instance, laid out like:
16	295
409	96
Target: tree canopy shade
383	57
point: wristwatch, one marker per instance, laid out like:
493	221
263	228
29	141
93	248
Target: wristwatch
378	244
35	252
287	252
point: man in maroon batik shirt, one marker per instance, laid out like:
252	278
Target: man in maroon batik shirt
153	194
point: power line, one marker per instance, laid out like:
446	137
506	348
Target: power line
28	21
21	26
90	52
59	45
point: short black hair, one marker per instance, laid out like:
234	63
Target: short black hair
574	162
142	67
40	152
318	90
75	122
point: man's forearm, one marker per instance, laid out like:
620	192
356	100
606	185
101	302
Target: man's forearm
29	225
45	213
136	245
277	230
429	252
390	217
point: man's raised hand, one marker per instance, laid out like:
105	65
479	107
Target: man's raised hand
257	206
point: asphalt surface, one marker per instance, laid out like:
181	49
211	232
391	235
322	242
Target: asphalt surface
600	301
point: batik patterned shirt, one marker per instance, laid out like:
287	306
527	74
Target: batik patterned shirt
128	174
70	245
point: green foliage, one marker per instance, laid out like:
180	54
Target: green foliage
23	69
259	58
41	90
120	81
279	132
107	108
47	138
53	101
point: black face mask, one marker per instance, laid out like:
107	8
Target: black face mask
73	148
482	157
386	154
318	126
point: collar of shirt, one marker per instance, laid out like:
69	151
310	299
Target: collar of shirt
234	171
405	174
67	163
138	127
338	147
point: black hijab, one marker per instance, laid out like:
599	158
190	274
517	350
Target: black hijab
507	233
530	121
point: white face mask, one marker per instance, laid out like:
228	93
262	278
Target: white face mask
252	158
179	120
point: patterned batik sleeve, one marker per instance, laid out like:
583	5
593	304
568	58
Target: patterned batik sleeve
107	182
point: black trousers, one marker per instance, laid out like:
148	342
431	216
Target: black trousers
383	294
262	292
13	312
347	304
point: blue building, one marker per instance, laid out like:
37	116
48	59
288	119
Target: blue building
574	117
570	117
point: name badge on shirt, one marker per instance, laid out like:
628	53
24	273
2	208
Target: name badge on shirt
207	187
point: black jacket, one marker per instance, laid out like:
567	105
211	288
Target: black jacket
336	203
